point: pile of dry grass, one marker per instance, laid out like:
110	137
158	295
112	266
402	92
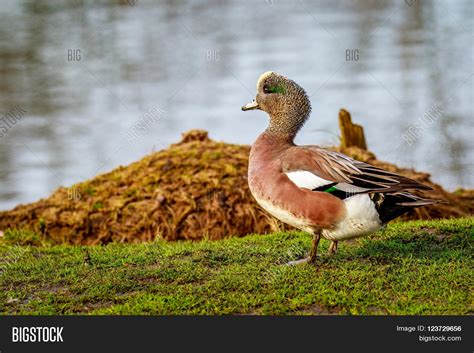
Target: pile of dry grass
195	189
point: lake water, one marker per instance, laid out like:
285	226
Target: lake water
79	78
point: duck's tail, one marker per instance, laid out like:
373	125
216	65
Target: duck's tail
392	205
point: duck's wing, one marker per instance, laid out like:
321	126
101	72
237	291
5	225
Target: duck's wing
319	169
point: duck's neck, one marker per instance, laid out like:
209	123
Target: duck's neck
283	129
278	137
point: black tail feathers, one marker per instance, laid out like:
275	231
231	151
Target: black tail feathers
391	206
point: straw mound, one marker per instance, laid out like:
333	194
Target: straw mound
195	189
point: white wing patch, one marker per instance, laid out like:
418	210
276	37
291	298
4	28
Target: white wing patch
305	179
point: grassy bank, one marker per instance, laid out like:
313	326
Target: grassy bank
419	267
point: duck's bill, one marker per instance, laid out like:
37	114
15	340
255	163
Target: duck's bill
250	106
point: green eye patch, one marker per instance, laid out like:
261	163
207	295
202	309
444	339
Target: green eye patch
274	89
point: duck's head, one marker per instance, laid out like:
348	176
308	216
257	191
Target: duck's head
285	102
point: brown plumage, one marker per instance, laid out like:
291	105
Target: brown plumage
269	183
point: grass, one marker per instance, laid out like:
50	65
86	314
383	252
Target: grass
419	267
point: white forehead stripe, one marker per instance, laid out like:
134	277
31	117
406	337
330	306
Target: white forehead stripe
263	77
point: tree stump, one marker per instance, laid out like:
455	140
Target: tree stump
351	134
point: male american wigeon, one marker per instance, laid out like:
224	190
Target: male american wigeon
321	192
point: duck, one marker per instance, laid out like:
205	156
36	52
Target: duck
319	191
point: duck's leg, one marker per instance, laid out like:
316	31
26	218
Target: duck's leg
332	248
311	258
314	248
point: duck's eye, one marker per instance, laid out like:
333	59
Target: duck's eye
267	89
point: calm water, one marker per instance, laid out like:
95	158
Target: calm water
193	64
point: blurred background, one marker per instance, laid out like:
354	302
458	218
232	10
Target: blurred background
83	73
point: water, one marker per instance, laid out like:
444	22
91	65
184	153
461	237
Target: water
196	64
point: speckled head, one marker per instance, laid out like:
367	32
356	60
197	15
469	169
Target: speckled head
285	102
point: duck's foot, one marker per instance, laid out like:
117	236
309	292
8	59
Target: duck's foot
313	254
299	262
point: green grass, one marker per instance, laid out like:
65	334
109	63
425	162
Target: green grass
423	267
